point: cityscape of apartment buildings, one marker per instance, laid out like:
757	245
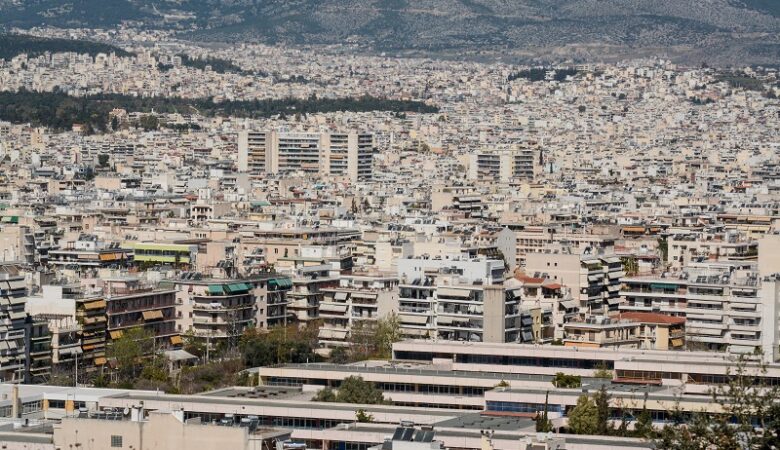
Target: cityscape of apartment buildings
500	256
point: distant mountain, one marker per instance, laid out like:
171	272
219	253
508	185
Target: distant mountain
713	31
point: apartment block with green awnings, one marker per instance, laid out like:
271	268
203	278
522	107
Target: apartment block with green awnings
164	253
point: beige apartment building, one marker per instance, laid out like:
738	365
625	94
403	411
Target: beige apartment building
344	154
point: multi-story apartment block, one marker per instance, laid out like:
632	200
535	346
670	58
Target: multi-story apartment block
506	165
357	298
87	251
540	239
148	254
594	281
346	154
728	306
13	291
38	341
692	247
464	200
131	304
314	269
466	300
220	310
93	323
630	330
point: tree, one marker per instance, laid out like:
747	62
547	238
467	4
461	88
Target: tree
356	390
128	351
630	266
643	427
149	122
543	423
503	384
279	346
388	332
602	372
325	395
750	417
564	381
583	418
363	417
601	400
339	355
663	248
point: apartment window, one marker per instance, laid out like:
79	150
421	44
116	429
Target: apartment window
116	441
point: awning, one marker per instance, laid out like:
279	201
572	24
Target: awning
526	321
176	340
215	289
527	336
236	288
662	286
569	304
281	283
115	334
17	284
613	301
677	342
152	315
450	292
341	295
333	308
414	320
100	361
704	317
332	334
97	304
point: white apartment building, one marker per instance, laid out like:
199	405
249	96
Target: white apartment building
505	165
594	281
357	298
728	305
348	154
465	299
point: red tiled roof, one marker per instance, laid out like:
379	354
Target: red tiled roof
647	317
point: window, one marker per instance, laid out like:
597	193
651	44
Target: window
116	441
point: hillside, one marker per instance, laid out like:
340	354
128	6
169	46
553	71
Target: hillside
720	31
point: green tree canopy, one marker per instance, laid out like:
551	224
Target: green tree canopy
583	418
356	390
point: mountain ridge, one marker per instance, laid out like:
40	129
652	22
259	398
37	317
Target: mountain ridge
719	31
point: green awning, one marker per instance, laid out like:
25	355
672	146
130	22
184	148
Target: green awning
260	203
236	288
662	286
280	283
10	219
215	289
